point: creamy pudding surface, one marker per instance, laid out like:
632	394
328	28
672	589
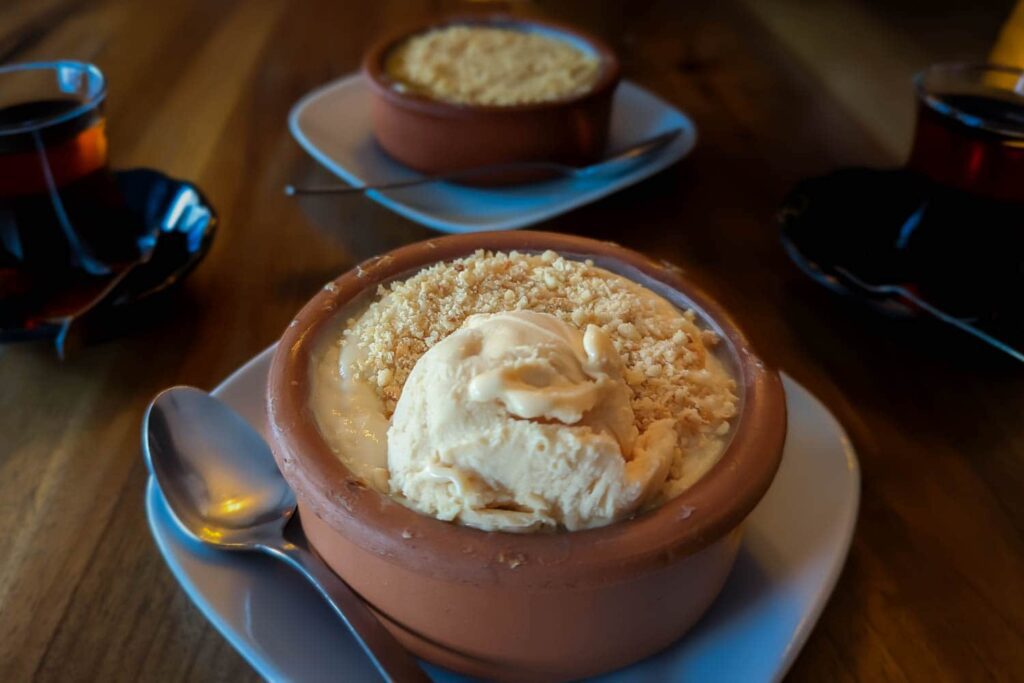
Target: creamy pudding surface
491	66
522	392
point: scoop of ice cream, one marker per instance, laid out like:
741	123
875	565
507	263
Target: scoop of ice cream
518	421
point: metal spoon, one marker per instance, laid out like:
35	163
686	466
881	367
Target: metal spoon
905	293
611	165
224	488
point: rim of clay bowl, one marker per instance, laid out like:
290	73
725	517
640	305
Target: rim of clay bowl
715	505
374	70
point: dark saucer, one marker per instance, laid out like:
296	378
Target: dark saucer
911	249
176	226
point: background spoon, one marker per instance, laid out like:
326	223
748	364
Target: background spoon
611	165
223	487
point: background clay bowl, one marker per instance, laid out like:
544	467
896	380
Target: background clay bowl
533	606
432	136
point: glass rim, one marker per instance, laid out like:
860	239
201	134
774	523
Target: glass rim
931	98
88	104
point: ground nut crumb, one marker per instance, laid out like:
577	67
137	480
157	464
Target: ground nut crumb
491	66
664	352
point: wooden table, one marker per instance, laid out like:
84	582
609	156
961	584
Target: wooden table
934	586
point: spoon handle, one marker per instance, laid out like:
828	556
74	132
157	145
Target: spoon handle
613	164
392	660
464	174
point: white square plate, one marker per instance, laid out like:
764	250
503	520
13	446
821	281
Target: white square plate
332	123
795	545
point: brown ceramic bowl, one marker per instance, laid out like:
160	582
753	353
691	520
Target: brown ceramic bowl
433	136
526	606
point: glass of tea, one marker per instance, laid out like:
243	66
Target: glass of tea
61	214
970	129
966	240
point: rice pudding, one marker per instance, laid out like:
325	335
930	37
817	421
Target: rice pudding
522	392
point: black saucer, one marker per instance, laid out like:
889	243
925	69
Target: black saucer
176	226
910	249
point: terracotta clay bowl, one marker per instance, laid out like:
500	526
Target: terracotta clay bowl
433	136
551	606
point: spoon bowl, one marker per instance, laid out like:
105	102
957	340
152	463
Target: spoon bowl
216	472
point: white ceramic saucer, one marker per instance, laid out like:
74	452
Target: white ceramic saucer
795	545
332	123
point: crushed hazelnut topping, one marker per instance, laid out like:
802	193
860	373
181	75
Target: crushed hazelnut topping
663	350
491	66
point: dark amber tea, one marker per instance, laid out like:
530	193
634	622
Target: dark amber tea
972	142
75	145
60	210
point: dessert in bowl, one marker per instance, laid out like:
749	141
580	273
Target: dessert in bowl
567	467
474	91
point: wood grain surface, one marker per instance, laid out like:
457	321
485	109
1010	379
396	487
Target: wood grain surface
934	586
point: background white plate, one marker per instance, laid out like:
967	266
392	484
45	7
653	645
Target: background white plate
795	545
332	123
